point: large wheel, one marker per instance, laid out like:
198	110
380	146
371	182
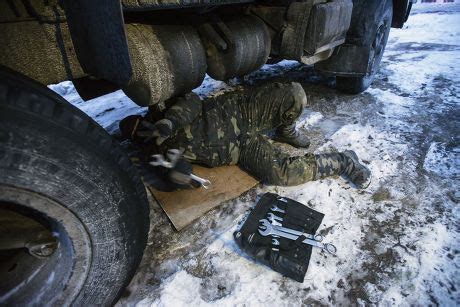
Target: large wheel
73	213
376	42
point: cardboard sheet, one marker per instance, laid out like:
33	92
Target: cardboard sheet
184	206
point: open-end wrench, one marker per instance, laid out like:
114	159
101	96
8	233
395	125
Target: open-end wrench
174	155
272	216
282	199
316	237
276	244
275	208
267	229
205	183
159	160
276	221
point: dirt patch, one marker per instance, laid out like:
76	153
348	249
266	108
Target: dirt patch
381	194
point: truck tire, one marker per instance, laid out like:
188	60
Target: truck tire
377	43
248	51
63	177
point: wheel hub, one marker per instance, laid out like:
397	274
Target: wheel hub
44	250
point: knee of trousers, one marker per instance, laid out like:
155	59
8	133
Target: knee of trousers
291	172
292	114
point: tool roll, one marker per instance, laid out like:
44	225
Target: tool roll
290	258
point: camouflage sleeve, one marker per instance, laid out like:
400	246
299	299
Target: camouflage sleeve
184	110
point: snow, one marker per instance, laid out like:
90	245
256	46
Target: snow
443	162
106	110
434	45
419	31
211	87
397	241
310	120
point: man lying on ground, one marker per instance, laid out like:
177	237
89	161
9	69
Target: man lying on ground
229	129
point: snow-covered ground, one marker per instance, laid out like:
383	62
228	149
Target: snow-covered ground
398	240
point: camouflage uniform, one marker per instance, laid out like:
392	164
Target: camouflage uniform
228	130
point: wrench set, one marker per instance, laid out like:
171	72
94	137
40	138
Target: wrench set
281	233
272	226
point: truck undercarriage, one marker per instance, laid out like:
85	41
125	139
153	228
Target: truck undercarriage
60	170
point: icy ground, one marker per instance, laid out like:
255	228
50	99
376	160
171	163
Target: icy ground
398	240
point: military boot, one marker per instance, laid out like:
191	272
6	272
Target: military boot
343	164
290	135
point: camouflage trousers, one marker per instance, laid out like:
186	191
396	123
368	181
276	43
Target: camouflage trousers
231	130
265	161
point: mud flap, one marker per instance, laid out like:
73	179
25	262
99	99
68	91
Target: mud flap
353	57
98	34
185	206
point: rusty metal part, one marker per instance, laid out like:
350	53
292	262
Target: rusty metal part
140	5
306	31
18	232
327	28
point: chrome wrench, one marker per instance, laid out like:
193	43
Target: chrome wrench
316	237
276	222
274	219
267	229
275	208
174	155
159	160
271	216
205	183
282	199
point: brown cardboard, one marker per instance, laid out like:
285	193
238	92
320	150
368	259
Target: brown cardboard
184	206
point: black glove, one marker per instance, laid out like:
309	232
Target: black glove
166	179
180	173
160	130
138	129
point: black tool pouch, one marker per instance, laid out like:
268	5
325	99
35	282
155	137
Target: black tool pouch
290	258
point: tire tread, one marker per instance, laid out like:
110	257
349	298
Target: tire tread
25	95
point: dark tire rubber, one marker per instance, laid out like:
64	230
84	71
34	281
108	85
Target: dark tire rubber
379	30
186	55
248	51
52	150
354	85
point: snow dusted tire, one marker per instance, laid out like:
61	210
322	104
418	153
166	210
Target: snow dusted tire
73	212
376	40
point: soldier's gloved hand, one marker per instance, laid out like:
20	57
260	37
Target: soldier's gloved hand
161	130
138	129
180	173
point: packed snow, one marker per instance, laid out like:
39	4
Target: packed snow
397	240
442	161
